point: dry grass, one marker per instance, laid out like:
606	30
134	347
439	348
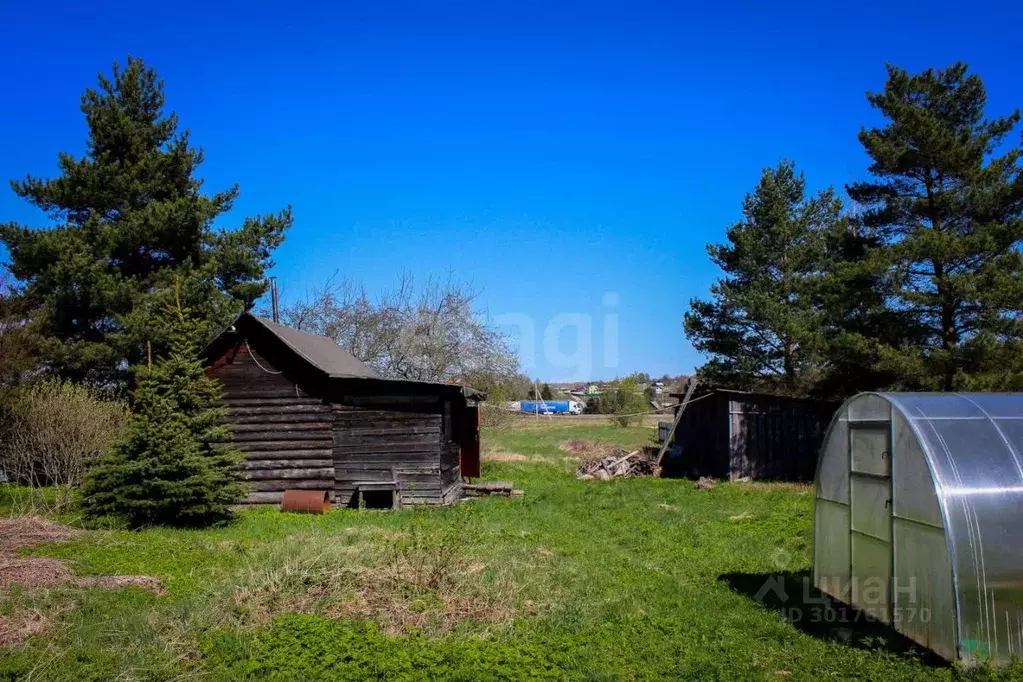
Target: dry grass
399	580
22	624
587	449
505	457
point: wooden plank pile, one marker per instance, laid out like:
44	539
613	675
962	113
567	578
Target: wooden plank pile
506	488
619	464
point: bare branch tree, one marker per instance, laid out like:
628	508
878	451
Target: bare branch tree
437	332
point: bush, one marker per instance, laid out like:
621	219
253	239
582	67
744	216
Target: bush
176	466
623	400
54	431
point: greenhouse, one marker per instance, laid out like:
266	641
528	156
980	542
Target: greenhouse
919	518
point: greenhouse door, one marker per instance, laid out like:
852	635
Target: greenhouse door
870	499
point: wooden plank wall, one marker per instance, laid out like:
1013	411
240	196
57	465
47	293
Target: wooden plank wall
391	438
284	433
774	438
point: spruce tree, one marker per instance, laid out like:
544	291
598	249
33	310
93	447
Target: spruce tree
944	210
762	326
176	466
131	219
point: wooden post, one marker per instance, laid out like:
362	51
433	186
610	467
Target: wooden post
678	417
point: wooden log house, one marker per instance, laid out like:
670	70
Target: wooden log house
310	416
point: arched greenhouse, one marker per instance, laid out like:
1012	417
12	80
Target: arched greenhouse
919	518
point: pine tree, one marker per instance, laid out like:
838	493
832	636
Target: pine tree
945	213
131	220
176	466
546	393
762	327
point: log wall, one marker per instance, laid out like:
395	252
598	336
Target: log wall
393	438
284	432
293	440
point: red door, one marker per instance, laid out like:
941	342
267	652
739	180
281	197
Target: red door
469	452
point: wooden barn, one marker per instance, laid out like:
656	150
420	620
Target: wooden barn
735	434
310	416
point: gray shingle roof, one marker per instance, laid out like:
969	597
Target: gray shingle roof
320	351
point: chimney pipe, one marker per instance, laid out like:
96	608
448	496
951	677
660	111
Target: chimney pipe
274	300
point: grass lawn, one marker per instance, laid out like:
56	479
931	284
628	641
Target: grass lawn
628	579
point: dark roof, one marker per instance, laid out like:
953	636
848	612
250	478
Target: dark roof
320	351
323	355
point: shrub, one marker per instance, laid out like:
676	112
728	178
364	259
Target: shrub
623	400
54	431
176	466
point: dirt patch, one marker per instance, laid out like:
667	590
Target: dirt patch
34	572
19	532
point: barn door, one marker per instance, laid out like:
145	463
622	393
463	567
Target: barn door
870	499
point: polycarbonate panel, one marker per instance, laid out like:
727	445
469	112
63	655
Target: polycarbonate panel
972	451
869	406
969	453
980	486
922	593
869	450
833	470
871	510
936	405
831	549
871	576
987	537
913	495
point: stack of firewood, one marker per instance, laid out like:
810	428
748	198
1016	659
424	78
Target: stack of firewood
619	464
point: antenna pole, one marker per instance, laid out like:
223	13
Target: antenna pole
274	303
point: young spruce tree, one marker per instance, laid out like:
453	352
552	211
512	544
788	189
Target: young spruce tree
762	327
945	209
176	466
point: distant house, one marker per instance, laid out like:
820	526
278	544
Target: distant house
736	434
308	415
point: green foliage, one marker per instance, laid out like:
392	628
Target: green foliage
132	219
947	215
175	467
622	400
638	579
546	393
762	324
51	432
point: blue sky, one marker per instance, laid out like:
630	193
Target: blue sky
550	153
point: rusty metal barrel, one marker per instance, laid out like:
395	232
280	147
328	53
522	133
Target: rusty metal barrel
306	501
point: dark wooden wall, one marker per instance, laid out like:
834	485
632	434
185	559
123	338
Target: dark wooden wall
731	434
404	439
773	438
295	440
284	432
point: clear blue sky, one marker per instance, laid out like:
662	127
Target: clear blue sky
550	153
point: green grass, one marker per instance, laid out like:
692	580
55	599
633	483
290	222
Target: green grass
623	580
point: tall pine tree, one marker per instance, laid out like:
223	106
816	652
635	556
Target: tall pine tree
176	466
945	211
131	219
762	327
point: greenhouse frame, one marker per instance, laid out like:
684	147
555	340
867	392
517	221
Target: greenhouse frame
918	519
